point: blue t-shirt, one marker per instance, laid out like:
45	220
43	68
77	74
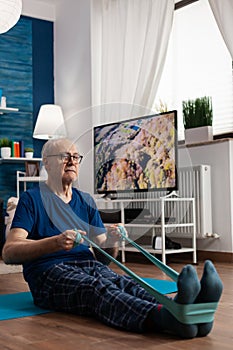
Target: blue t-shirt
43	214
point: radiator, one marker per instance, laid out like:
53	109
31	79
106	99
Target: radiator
194	182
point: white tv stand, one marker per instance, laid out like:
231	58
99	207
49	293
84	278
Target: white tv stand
163	226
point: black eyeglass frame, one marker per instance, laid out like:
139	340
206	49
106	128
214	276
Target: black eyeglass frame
76	158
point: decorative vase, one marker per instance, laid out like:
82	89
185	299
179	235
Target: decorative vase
29	154
196	135
5	152
43	173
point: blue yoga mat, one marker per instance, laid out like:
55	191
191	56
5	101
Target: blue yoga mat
162	286
18	305
21	304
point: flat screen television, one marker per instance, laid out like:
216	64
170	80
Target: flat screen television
138	154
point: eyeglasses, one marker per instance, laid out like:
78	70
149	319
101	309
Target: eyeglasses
66	157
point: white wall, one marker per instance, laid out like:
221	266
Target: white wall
73	78
37	9
72	71
219	155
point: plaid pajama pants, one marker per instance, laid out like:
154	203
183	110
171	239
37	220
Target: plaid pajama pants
90	288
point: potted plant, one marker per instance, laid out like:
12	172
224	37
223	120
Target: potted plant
28	151
198	119
5	145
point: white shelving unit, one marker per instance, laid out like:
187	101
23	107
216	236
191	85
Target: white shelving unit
22	178
162	226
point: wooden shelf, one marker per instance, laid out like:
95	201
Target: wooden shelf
159	251
30	179
19	160
8	110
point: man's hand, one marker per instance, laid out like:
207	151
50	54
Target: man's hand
113	235
67	239
108	242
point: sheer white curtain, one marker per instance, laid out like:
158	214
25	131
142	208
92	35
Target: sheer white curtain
129	45
188	74
223	13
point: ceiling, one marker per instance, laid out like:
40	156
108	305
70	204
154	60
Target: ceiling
56	1
48	1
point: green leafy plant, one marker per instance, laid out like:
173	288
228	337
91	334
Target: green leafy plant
5	142
161	106
28	149
198	112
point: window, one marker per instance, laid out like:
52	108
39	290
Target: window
198	64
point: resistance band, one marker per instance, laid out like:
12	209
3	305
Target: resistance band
185	313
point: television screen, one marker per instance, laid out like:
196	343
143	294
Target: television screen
139	154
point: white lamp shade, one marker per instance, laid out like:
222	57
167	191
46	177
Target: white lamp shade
50	123
10	11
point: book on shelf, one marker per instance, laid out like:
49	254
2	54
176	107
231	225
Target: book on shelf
21	146
12	149
17	149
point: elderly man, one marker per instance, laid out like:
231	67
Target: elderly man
70	277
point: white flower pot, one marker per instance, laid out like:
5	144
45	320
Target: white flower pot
201	134
29	154
5	152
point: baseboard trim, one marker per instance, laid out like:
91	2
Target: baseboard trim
202	255
215	256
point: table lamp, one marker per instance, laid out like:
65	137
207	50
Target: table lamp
10	11
50	123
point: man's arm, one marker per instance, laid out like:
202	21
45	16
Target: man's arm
109	243
18	249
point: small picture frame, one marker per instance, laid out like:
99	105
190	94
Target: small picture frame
32	168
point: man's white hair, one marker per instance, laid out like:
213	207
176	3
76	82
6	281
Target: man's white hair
54	145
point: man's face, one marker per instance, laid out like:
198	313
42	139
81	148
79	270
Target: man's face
63	164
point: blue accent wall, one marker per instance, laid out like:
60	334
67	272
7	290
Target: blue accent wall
27	81
16	81
43	70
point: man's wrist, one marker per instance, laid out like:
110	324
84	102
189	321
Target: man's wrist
111	242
